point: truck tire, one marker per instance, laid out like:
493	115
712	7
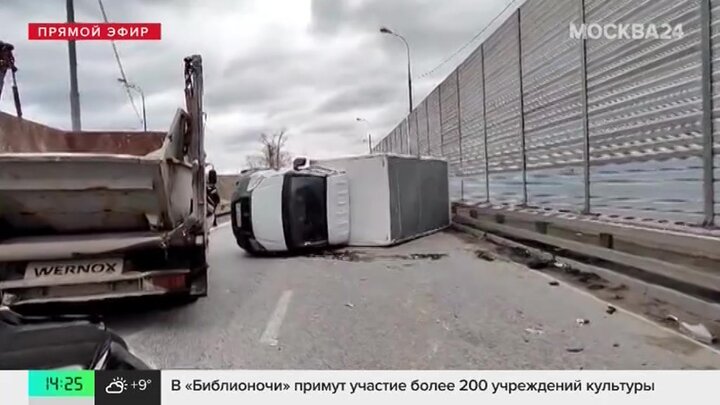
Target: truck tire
180	300
188	299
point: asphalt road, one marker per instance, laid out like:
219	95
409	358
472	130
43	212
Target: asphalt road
388	309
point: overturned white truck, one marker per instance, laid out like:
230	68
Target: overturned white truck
370	200
90	216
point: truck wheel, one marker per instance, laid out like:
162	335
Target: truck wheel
182	300
189	299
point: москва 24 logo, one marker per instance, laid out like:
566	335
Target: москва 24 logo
626	31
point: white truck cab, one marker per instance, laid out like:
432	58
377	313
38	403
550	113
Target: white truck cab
291	210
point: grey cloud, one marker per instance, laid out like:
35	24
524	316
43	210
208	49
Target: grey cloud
33	8
431	27
273	80
243	139
241	95
371	95
340	69
253	87
330	127
48	86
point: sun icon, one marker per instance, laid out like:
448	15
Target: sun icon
118	385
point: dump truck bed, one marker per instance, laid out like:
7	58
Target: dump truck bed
90	216
56	182
50	193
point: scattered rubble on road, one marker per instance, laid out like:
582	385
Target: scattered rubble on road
363	256
422	256
604	289
699	332
343	255
525	257
672	318
534	331
484	255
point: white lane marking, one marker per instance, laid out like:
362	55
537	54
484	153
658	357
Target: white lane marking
270	336
224	224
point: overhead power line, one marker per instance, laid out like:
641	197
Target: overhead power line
120	66
467	44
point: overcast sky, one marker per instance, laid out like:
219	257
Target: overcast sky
309	66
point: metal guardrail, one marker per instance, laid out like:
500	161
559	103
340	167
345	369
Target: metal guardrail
682	261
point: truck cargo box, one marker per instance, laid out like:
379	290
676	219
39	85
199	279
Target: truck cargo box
394	198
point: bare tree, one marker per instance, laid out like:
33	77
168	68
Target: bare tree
272	155
256	162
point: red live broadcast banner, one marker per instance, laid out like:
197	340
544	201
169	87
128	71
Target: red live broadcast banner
94	31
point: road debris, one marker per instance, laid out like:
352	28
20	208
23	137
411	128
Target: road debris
426	256
699	332
533	261
554	283
360	256
574	349
349	305
586	277
672	318
616	344
537	263
534	331
343	255
611	310
481	254
582	321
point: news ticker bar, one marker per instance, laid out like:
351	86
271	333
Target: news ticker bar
179	387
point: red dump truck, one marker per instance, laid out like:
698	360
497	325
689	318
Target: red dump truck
88	216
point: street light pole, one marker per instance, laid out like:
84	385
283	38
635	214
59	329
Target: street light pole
142	97
369	136
388	31
72	56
